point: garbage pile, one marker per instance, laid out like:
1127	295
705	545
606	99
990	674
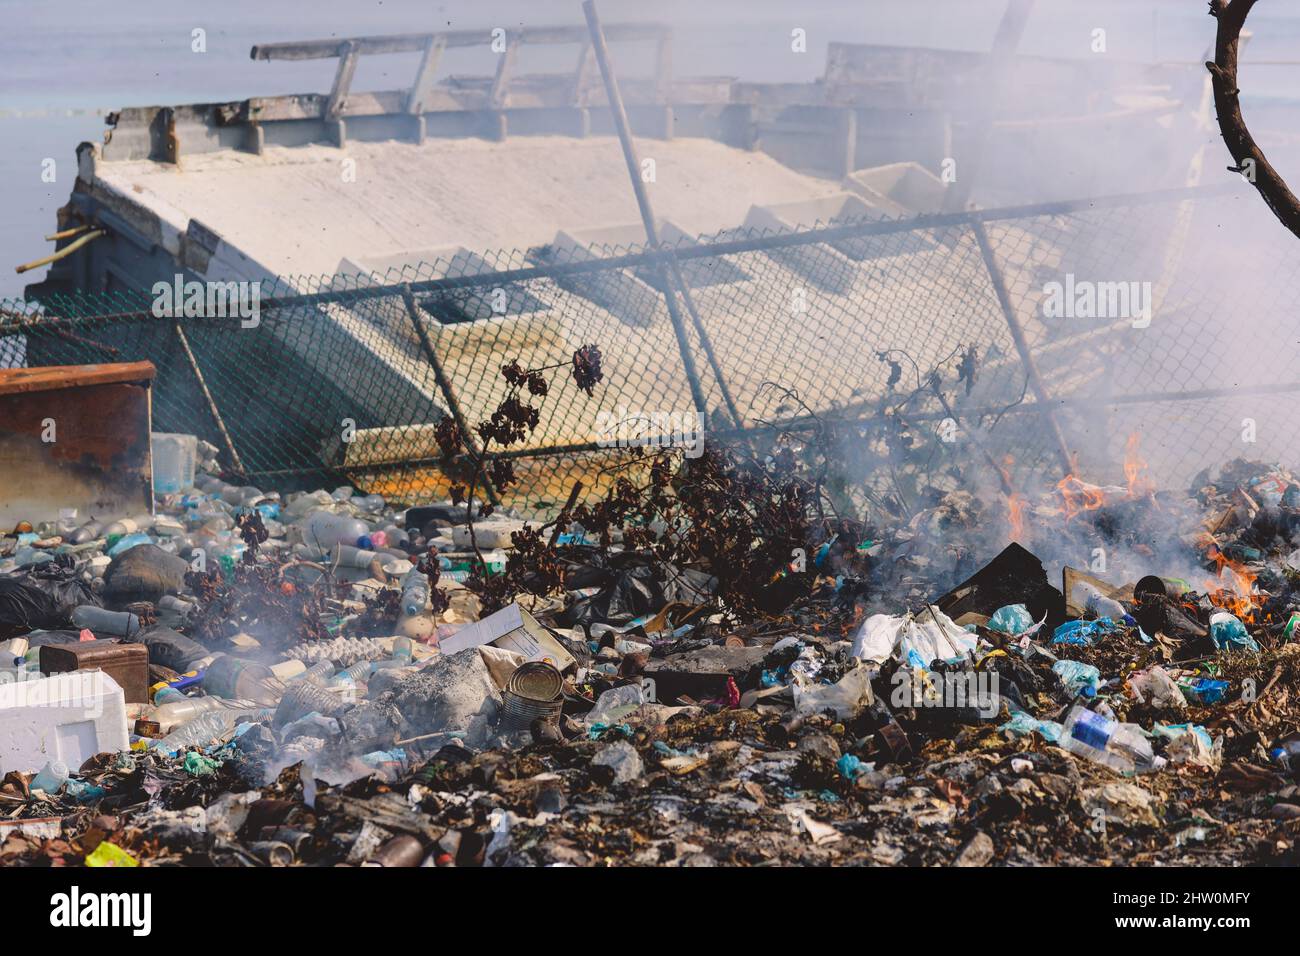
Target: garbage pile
319	678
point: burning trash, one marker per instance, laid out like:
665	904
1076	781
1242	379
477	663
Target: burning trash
319	677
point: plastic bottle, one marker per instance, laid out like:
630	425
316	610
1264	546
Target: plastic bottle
1287	755
302	699
87	532
169	602
104	622
1122	747
403	650
238	679
318	673
415	592
345	556
174	713
210	727
51	777
357	672
12	651
127	526
68	523
1096	603
324	529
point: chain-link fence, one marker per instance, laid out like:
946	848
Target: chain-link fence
1032	341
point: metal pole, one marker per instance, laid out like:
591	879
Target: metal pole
444	384
207	395
643	202
1040	391
705	342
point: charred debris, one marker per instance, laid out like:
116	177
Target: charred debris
739	658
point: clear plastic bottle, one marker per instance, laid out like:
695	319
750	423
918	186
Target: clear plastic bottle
51	777
318	673
173	713
323	530
210	727
129	525
350	675
13	650
1096	603
346	556
415	592
1122	747
403	650
302	699
67	523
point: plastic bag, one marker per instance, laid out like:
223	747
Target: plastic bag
928	636
31	602
1077	677
170	649
847	698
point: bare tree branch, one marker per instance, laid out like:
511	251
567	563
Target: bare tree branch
1248	156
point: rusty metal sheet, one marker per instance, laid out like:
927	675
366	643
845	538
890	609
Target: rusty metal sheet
74	437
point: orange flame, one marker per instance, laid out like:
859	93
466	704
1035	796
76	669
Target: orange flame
1016	515
1078	495
1135	469
1232	588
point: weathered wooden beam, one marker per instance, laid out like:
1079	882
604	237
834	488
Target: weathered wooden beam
582	76
421	89
342	79
416	42
499	95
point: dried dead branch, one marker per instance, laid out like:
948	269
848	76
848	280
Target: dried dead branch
1249	158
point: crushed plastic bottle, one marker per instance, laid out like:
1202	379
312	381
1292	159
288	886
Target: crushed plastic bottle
51	777
210	727
1122	747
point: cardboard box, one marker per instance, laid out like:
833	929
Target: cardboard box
512	629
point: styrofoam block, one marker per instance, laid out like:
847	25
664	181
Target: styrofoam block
69	717
490	534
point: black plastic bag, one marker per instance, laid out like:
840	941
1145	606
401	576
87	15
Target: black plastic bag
632	584
170	649
42	598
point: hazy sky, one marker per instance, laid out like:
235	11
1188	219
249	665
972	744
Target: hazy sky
64	61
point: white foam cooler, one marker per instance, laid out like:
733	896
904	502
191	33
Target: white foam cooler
69	717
